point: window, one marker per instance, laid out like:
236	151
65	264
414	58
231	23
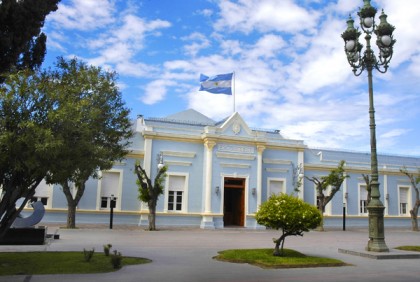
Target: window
404	200
175	201
176	195
363	200
109	185
104	202
275	186
363	207
43	200
403	208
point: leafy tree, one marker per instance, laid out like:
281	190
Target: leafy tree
62	125
28	143
291	214
149	192
414	180
22	43
334	180
92	123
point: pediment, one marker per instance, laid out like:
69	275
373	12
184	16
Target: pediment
235	126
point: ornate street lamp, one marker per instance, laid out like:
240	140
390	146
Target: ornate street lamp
160	160
368	61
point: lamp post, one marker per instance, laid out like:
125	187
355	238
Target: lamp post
112	201
368	61
344	216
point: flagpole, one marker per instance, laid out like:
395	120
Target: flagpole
234	106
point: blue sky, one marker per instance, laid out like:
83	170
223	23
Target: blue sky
291	72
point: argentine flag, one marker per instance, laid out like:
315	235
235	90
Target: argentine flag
218	84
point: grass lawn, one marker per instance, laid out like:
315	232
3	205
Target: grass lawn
264	258
409	248
58	263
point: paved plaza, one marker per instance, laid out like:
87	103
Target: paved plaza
186	255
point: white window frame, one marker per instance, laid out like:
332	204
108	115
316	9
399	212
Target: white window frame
359	205
117	195
184	204
408	204
272	179
175	202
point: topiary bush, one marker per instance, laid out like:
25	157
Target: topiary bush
290	214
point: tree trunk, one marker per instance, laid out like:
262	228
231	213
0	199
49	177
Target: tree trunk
413	213
321	225
71	215
277	251
414	224
71	206
280	241
321	208
152	216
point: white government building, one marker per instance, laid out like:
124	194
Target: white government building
219	172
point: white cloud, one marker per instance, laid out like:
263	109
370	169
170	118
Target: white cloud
266	16
345	6
198	42
155	91
122	43
84	14
396	132
118	35
268	46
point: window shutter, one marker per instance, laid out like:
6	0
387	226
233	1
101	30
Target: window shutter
403	195
176	183
276	187
109	184
363	192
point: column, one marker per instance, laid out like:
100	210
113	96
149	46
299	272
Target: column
207	220
260	149
301	173
147	163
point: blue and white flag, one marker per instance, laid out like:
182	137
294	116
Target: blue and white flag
218	84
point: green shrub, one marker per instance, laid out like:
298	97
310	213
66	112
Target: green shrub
107	249
88	254
116	259
289	213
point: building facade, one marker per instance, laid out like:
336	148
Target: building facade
220	172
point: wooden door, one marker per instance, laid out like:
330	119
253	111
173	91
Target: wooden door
234	202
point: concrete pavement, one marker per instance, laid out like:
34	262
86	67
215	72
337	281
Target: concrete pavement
186	255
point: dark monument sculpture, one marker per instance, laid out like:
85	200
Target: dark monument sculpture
33	219
23	230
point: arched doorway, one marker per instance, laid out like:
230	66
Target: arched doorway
234	202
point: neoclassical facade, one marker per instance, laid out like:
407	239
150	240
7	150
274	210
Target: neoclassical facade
219	172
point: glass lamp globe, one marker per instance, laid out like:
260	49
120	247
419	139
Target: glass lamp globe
368	22
350	45
386	40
